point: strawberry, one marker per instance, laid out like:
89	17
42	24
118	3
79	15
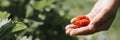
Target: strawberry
81	21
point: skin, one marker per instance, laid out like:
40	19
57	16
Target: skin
101	18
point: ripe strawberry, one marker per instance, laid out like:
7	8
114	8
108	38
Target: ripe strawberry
81	20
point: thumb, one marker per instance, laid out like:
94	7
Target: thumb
72	20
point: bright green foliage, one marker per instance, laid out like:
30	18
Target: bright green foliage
34	20
4	15
7	27
4	3
19	26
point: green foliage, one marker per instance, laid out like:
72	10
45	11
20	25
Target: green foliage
4	15
5	31
7	27
19	26
40	5
34	20
4	3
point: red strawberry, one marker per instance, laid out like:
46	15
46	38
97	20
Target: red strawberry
81	20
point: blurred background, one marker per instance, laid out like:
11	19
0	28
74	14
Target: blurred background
46	20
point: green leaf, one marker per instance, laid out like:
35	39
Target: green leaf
39	5
29	11
3	22
4	3
4	15
4	18
5	30
19	26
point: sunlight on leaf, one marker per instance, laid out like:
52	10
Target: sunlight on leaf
4	18
4	15
19	26
4	3
29	11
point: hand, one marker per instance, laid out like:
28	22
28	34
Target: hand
101	17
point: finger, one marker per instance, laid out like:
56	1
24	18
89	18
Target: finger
72	20
70	26
78	31
68	31
83	31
